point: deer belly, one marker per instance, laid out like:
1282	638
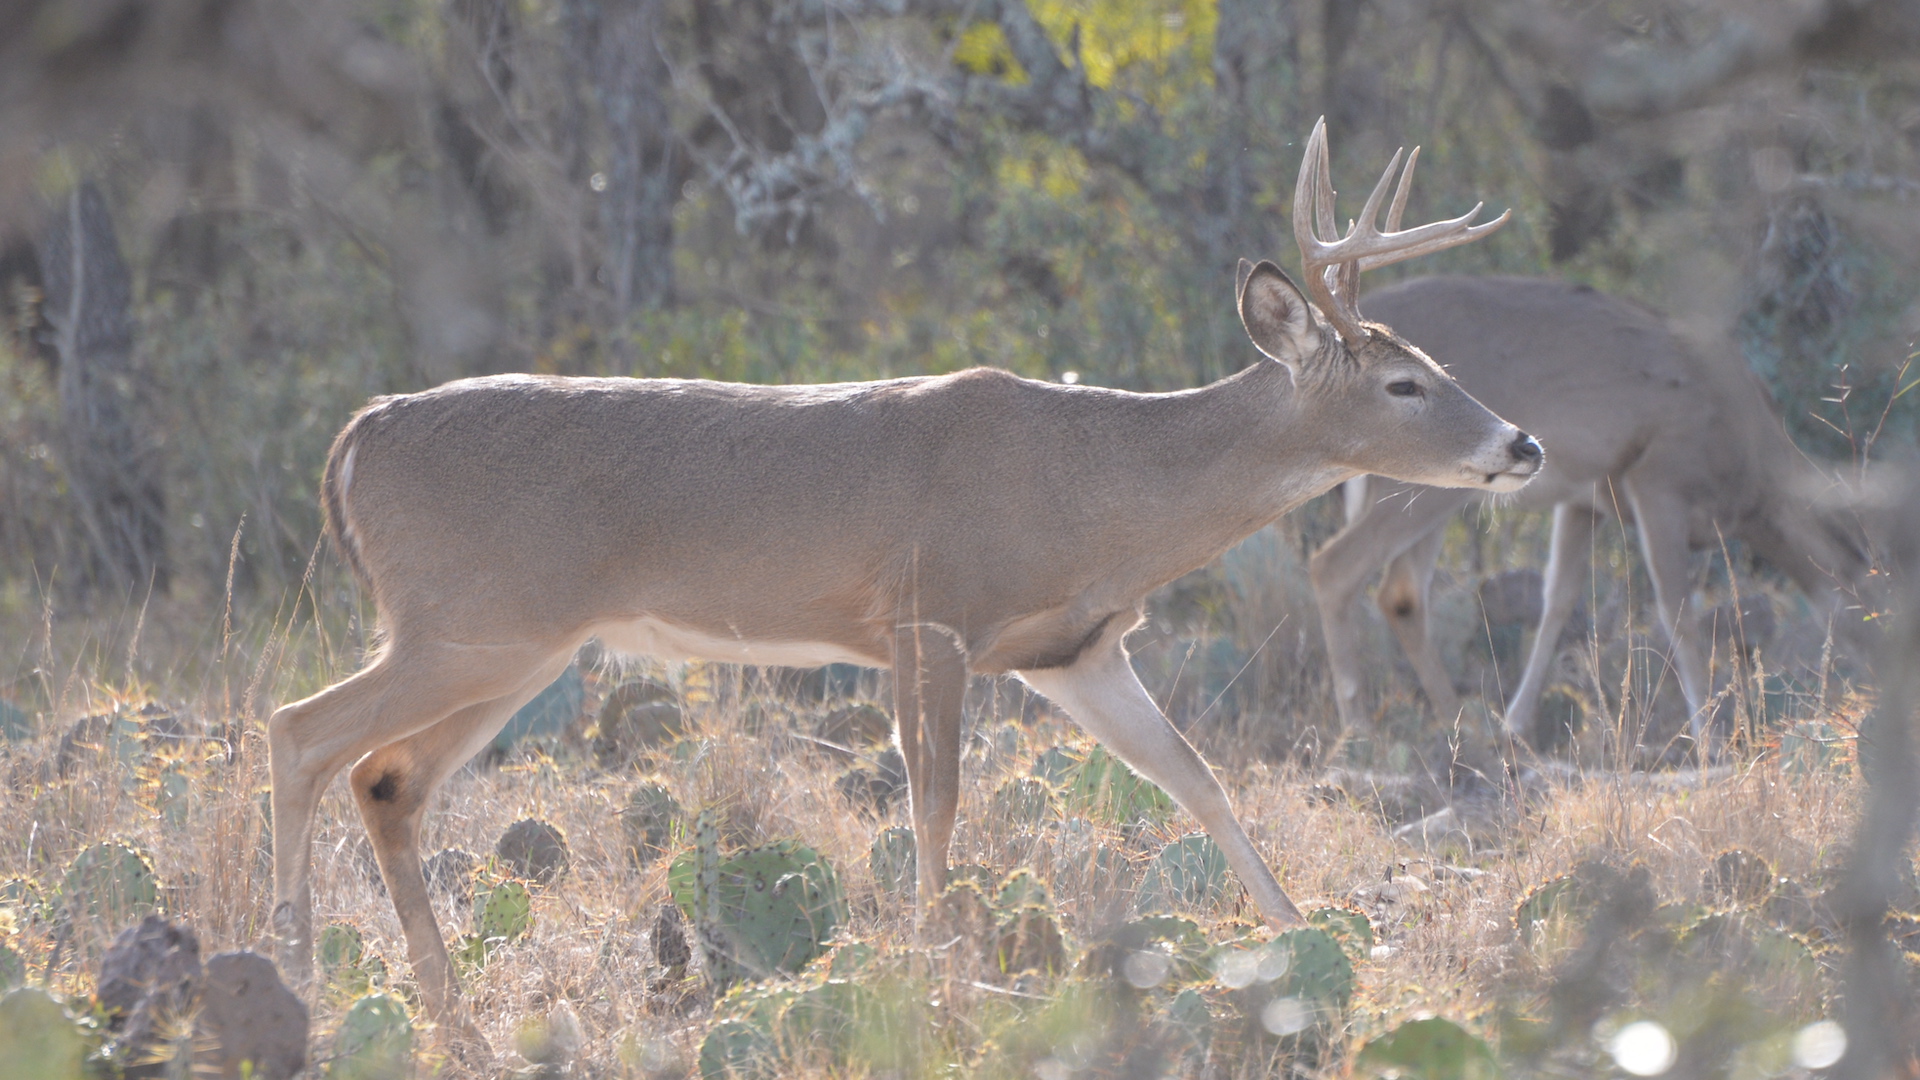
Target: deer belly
666	641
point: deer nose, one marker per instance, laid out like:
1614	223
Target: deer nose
1525	448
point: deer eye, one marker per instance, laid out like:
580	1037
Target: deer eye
1404	388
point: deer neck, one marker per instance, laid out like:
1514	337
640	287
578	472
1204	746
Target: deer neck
1230	458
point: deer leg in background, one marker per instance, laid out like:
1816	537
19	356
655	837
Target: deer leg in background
1340	569
401	692
1402	598
1568	554
1104	696
1661	520
392	786
929	686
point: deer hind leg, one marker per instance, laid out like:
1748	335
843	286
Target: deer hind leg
1568	553
1385	528
393	786
402	691
1661	520
1403	600
929	686
1104	696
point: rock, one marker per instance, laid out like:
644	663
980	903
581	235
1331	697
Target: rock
247	1016
670	946
637	716
533	849
449	874
148	978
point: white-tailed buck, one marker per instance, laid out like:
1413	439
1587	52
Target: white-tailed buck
973	523
1681	441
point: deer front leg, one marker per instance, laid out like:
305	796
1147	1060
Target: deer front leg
1568	553
929	686
1403	600
1104	696
1384	528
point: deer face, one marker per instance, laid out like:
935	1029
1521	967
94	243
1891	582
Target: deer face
1380	405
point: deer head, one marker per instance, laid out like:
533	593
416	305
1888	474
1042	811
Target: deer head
1379	402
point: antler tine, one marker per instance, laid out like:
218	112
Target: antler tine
1400	193
1333	263
1314	230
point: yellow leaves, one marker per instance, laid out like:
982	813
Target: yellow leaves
1158	37
983	50
1162	48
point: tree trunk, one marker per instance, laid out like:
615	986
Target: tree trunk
112	472
619	46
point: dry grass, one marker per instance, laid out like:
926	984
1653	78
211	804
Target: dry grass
1451	946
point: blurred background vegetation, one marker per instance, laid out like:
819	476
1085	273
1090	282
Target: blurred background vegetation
225	225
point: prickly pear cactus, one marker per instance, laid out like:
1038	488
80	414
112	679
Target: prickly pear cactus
1311	967
346	966
892	860
1190	872
1022	888
1353	930
534	850
1430	1049
502	910
745	1044
110	882
1056	765
37	1037
1030	940
1104	788
649	820
1022	800
374	1041
767	909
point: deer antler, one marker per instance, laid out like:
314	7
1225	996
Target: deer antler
1333	266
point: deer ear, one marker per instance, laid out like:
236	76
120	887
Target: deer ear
1240	275
1276	314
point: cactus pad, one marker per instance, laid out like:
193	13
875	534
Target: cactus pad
649	820
374	1041
1431	1049
1190	872
1022	800
111	882
892	860
767	909
1353	930
37	1038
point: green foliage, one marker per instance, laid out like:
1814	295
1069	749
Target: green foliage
112	883
37	1037
649	821
1352	929
1104	789
374	1041
892	860
1190	872
1430	1049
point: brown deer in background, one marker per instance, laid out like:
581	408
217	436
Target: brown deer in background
973	523
1681	442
